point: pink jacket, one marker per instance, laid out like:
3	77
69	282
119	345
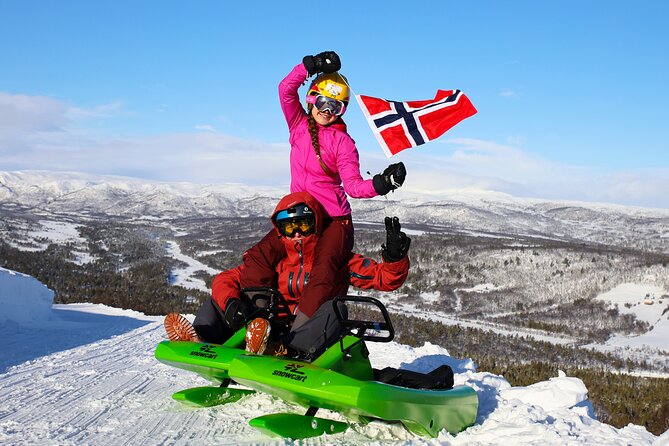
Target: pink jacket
338	152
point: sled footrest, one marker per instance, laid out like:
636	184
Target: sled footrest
295	426
210	396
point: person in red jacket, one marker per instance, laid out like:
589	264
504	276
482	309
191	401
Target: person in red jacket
298	221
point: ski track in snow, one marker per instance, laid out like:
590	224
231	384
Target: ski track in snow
109	393
110	390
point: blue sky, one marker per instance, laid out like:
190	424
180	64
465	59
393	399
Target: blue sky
572	96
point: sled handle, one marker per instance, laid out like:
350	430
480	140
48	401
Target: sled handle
276	303
362	328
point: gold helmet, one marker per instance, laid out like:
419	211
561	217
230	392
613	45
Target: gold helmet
329	92
332	85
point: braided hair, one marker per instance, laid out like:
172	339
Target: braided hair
313	132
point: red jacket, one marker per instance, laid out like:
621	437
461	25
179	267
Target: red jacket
292	273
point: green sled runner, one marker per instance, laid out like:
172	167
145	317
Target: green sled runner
341	379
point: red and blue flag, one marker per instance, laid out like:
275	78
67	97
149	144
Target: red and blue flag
400	125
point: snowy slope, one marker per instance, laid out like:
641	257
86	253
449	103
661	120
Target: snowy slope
87	375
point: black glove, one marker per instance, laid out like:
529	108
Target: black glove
325	62
391	178
397	243
236	313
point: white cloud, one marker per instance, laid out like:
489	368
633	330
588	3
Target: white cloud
21	114
515	140
484	165
205	127
45	134
198	157
489	159
42	133
100	111
508	93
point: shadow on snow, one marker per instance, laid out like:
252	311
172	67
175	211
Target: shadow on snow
66	329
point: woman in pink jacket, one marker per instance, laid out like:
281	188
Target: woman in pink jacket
324	162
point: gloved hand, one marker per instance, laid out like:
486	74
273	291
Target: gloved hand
325	62
391	178
397	243
236	313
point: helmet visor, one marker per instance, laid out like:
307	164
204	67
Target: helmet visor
334	106
289	228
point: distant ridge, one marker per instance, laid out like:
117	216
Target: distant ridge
480	212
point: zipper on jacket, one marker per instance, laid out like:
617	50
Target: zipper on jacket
290	284
359	276
298	248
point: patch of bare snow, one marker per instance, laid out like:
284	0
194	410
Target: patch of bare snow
646	303
184	276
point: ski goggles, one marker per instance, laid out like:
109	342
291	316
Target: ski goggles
289	228
324	103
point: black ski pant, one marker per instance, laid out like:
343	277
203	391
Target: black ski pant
210	323
309	340
318	333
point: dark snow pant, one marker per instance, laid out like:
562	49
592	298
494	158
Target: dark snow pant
318	333
309	340
210	323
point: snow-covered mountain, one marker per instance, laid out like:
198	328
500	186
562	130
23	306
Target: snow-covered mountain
485	212
86	375
83	194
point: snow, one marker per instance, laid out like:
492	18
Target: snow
560	392
184	276
23	299
57	232
480	288
212	252
87	375
646	302
413	310
430	297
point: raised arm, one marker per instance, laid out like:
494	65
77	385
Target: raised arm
392	272
289	97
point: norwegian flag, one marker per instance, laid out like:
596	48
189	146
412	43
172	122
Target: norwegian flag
400	125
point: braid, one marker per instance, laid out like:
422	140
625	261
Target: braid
313	131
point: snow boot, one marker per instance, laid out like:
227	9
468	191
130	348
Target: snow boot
178	328
257	334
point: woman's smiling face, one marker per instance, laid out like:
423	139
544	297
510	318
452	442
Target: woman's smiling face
323	118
